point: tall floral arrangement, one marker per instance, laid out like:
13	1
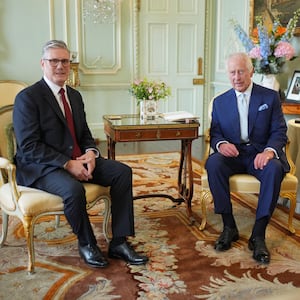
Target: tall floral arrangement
149	90
269	49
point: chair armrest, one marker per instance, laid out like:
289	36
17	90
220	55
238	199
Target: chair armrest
207	145
289	158
4	163
9	170
11	141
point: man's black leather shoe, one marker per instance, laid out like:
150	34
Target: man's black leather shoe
260	252
93	256
124	251
227	236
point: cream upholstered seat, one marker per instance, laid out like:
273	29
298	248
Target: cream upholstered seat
9	89
29	204
245	183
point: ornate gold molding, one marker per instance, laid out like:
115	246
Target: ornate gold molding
73	79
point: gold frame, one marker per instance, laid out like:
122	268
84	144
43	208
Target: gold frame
256	11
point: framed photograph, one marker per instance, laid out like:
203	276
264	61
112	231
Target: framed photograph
269	9
293	93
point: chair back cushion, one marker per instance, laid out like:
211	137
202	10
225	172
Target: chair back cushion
5	126
9	89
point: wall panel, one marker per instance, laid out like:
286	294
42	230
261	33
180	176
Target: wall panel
158	49
186	35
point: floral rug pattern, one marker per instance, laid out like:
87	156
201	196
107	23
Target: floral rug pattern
183	263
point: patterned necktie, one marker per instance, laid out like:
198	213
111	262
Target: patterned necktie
68	114
243	111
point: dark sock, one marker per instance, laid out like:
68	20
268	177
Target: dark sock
117	241
228	220
259	228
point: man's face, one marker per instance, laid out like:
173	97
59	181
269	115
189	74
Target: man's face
56	65
239	74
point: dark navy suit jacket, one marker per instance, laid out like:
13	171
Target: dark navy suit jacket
44	140
266	123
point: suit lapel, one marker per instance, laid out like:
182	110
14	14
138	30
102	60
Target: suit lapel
231	108
75	110
255	102
50	98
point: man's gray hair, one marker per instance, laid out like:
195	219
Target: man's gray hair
244	56
54	44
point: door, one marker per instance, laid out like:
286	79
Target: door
171	48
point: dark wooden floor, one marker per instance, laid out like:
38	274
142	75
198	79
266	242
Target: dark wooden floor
153	147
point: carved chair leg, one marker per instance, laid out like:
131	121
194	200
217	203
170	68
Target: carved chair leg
106	218
28	224
57	221
3	236
205	195
293	199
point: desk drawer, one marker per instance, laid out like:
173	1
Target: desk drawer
157	134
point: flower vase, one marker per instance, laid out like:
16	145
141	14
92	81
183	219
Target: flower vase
148	109
270	81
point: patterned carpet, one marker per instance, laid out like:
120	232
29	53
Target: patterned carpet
183	263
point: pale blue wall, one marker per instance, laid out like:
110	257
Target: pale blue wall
25	25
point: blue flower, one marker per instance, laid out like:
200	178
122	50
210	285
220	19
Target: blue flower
242	35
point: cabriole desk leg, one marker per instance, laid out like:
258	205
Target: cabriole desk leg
111	148
185	177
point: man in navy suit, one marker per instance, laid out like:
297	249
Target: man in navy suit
246	139
46	158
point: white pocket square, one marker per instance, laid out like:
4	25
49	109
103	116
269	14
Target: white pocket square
263	107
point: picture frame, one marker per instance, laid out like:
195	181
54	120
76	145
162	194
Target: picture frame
293	92
270	8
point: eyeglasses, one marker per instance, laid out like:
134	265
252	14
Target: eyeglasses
54	62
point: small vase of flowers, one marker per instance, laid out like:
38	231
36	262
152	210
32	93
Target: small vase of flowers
148	93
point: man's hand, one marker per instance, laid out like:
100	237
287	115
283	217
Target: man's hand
228	150
83	167
262	159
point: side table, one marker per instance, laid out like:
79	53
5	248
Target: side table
130	128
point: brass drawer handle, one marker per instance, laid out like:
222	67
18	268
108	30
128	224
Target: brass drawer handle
178	133
138	135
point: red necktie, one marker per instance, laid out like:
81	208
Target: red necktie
68	114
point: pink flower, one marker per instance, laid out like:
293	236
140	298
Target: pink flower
284	49
255	53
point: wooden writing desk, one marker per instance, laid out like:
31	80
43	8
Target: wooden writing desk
129	128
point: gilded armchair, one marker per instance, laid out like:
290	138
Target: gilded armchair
30	204
244	183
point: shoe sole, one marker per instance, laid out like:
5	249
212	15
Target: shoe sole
114	256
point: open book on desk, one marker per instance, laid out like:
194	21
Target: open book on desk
179	116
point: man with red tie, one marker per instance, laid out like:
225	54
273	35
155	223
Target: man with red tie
56	153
